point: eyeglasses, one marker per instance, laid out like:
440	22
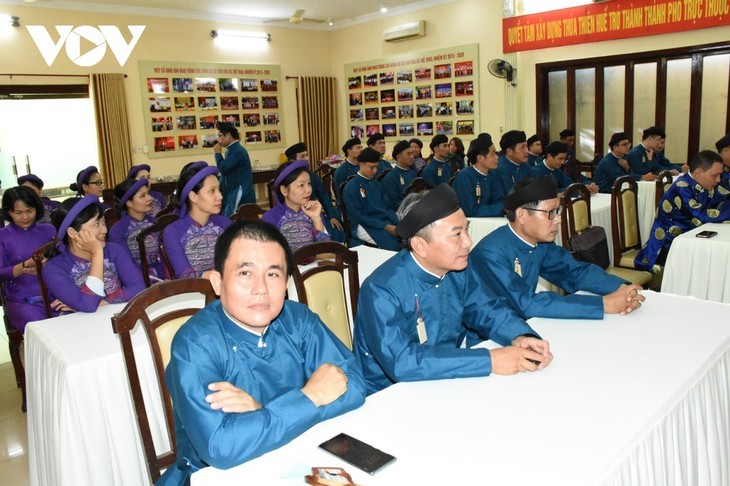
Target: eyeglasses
96	183
552	213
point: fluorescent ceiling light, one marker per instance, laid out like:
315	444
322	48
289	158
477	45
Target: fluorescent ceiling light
10	20
236	33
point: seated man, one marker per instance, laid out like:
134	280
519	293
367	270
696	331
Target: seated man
398	179
534	150
663	162
376	142
477	186
437	171
371	220
272	366
513	165
690	202
723	148
555	154
641	158
349	167
614	165
567	136
415	310
513	257
298	151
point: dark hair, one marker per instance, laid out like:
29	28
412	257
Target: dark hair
703	160
459	145
119	191
617	138
568	132
226	128
186	174
286	182
58	215
417	142
250	230
75	187
27	196
555	148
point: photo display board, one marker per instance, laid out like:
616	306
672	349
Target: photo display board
418	94
182	102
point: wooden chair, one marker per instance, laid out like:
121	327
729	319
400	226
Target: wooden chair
248	212
156	229
160	329
453	178
418	184
576	202
572	168
270	192
15	340
111	217
382	176
38	257
107	195
322	287
663	182
326	174
625	222
165	211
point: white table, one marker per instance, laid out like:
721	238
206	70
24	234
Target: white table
700	267
82	429
632	400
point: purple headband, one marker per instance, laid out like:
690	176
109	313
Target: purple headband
199	176
132	191
133	171
80	179
299	164
83	203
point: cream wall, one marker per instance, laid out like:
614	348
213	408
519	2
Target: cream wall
299	52
303	52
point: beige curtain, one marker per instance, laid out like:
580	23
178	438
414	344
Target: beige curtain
112	126
317	112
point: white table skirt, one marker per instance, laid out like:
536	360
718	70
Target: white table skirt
82	429
700	267
632	400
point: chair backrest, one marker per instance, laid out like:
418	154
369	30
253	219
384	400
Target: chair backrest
624	217
383	174
160	327
107	195
322	287
572	168
270	192
576	202
326	175
248	212
455	166
15	340
343	209
157	228
165	211
39	256
418	184
663	181
453	177
111	217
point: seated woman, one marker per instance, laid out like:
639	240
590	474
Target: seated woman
18	240
297	217
456	153
88	272
134	205
142	171
89	183
190	241
35	183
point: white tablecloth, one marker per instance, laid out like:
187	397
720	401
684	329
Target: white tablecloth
700	267
82	429
633	400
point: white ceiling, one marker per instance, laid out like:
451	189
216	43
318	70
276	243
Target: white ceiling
342	12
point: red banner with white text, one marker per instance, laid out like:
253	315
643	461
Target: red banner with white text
618	19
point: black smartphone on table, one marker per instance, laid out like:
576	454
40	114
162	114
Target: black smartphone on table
359	454
706	234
